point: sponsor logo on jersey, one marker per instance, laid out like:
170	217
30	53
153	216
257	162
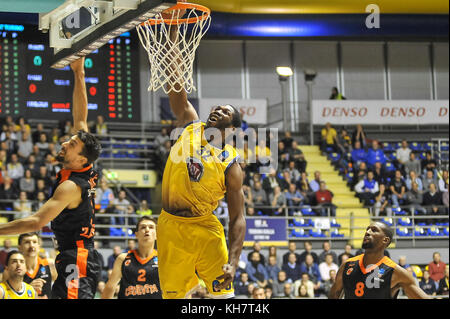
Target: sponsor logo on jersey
43	270
195	169
30	293
224	155
349	271
127	262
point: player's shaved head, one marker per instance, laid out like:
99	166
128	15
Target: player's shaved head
386	230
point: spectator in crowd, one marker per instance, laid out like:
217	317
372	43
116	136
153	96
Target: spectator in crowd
443	182
303	292
144	210
259	293
326	266
288	291
398	189
329	283
347	251
100	288
40	201
303	186
307	282
27	184
358	154
36	135
293	172
257	249
427	284
402	262
24	147
41	187
251	286
103	276
117	250
432	199
445	200
30	164
413	178
278	285
413	164
283	155
429	163
37	155
54	138
285	181
314	185
163	137
269	292
430	179
294	198
3	160
292	269
381	203
22	125
7	247
414	198
42	144
367	189
292	247
101	129
436	268
241	286
345	256
329	138
121	205
403	153
359	136
296	155
375	154
312	269
308	251
278	201
335	95
273	251
44	175
15	168
327	250
324	200
22	206
287	139
256	271
272	269
270	182
8	191
443	284
259	197
344	142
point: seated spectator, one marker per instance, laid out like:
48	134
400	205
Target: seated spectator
381	203
344	142
327	250
429	163
287	291
251	286
257	249
326	266
375	154
308	251
30	164
403	153
329	283
296	155
335	95
15	168
367	189
278	285
35	136
27	184
23	206
270	182
287	139
303	185
22	125
429	179
41	187
360	173
259	197
312	269
292	269
359	155
293	172
432	200
307	283
324	200
314	185
40	201
272	269
294	198
278	201
412	177
303	292
398	189
144	210
443	182
436	268
359	136
256	271
121	207
3	160
101	129
427	284
45	176
117	250
37	155
347	251
273	251
241	286
414	198
54	138
42	144
292	247
8	192
413	164
402	262
283	155
285	181
24	147
329	138
443	284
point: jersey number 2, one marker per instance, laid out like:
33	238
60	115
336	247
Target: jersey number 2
141	276
359	291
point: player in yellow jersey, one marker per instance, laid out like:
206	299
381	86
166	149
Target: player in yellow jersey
14	287
201	170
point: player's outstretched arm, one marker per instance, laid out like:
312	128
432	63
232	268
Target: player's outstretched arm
408	284
80	101
66	193
236	233
179	104
337	289
114	278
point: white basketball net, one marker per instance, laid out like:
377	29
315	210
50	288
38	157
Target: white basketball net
172	60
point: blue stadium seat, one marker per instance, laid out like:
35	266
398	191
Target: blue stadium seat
307	211
387	221
334	157
416	147
428	146
422	155
403	232
433	231
387	147
392	157
333	223
445	231
116	232
398	211
335	234
397	145
317	233
444	147
419	231
390	167
405	221
300	233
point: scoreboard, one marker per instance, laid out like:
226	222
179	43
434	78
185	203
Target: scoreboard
30	88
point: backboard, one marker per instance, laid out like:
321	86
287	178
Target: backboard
78	27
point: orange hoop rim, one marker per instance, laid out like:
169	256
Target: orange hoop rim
182	6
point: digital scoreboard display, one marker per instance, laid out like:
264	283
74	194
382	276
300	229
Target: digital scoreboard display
30	88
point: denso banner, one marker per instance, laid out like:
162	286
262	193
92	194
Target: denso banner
255	111
380	112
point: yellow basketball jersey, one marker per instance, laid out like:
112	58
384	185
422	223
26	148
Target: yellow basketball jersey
194	176
27	292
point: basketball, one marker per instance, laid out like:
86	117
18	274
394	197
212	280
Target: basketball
168	14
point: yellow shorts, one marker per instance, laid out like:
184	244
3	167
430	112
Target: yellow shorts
190	248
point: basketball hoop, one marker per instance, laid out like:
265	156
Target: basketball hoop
172	60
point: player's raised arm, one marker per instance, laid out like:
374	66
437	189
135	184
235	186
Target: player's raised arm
237	225
408	284
114	278
80	102
66	193
337	289
179	104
